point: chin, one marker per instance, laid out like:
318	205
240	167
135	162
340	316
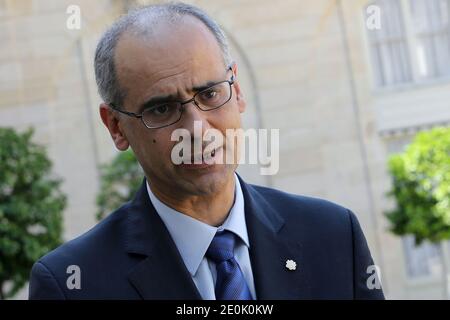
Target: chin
206	181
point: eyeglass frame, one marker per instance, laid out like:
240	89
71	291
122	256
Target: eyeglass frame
140	115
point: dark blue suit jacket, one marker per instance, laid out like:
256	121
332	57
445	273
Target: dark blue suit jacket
130	254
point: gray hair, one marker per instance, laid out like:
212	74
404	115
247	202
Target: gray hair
140	21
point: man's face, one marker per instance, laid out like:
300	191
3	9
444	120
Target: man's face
170	63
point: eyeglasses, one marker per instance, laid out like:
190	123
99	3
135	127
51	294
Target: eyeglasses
168	113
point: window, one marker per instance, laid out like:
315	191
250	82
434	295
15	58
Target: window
389	46
413	43
432	34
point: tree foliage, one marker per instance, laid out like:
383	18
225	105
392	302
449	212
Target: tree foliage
31	206
421	187
120	180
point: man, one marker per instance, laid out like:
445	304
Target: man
196	231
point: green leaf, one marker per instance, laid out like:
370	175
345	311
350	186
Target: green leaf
29	196
120	180
421	187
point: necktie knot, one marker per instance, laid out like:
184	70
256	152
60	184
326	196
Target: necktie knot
222	247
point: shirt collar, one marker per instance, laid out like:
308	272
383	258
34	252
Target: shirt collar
193	237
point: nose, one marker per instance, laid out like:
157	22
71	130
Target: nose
191	115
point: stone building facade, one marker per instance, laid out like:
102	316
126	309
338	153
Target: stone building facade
307	67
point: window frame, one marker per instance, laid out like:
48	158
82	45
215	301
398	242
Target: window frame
411	39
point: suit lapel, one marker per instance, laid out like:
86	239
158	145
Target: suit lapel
270	248
161	273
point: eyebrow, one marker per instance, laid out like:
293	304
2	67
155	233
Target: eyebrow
171	98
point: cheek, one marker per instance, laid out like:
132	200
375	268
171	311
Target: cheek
230	117
160	146
149	146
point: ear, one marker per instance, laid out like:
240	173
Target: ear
237	88
111	120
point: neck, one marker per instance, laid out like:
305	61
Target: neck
212	209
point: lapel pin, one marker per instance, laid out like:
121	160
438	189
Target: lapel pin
291	265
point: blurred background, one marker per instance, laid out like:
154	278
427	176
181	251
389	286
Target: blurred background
346	91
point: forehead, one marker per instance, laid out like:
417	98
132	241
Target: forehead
174	57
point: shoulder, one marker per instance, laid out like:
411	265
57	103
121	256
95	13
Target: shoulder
303	214
294	206
94	258
98	242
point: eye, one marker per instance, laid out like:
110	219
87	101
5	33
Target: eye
209	94
160	110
